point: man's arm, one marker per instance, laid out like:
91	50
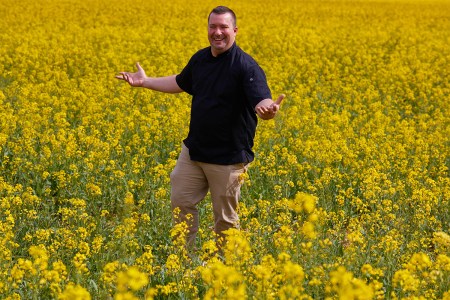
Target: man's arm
267	108
166	84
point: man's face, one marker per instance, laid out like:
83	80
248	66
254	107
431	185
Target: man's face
221	32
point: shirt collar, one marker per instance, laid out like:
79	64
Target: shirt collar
224	53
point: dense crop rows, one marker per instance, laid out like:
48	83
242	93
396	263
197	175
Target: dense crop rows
348	197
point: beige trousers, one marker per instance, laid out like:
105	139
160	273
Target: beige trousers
191	180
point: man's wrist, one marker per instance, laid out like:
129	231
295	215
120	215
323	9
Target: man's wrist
145	83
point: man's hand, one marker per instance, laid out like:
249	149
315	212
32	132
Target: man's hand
267	108
134	79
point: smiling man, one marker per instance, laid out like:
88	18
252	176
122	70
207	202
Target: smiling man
229	90
222	31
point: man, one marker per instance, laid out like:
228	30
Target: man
228	90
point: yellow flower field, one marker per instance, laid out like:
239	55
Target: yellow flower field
348	197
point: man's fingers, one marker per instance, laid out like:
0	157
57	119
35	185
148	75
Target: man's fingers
121	76
280	98
138	66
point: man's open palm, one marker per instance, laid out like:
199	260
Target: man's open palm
134	79
267	108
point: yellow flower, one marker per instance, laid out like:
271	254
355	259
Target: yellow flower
146	260
93	189
209	249
345	286
405	280
74	292
97	244
151	293
371	271
223	282
237	249
132	279
292	284
443	262
129	198
283	238
446	295
441	241
419	262
308	230
179	232
79	262
40	256
173	263
109	271
17	273
303	203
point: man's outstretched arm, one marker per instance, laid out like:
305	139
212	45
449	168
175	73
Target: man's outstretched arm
166	84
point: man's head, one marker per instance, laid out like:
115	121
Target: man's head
222	29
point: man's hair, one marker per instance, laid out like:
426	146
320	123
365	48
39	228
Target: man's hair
220	10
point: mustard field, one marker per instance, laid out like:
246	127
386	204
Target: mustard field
349	195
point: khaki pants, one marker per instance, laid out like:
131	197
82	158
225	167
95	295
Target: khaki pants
191	180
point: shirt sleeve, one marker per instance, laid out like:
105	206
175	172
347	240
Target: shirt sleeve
255	85
184	79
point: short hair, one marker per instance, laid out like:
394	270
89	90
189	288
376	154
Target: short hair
220	10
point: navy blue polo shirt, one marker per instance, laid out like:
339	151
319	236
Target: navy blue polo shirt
225	90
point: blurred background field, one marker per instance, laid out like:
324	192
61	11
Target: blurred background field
348	197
